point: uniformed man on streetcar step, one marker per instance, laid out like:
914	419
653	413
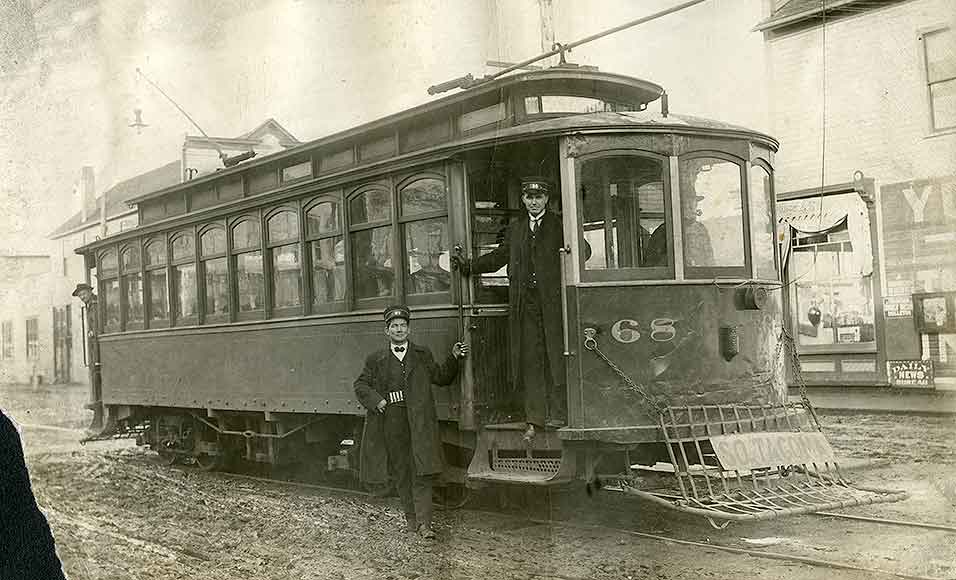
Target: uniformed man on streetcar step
530	248
401	438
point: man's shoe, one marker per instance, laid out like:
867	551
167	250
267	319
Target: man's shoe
411	525
425	531
529	434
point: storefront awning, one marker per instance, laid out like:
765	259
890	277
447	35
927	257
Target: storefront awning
820	214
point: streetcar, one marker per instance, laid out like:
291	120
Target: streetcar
237	314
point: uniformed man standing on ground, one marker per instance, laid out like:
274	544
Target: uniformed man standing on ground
531	249
401	438
84	292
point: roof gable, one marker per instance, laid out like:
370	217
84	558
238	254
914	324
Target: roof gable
272	127
119	194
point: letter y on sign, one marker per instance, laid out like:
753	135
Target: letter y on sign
917	204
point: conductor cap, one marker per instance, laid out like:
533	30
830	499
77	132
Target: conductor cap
535	184
397	311
80	287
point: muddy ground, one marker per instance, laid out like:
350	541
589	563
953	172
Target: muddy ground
118	512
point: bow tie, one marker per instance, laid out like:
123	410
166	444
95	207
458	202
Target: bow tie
398	348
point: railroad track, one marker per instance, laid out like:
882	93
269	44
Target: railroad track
756	553
657	537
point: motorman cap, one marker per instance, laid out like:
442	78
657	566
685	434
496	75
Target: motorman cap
397	311
535	184
80	287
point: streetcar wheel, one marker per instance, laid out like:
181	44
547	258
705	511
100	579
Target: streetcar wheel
168	457
207	462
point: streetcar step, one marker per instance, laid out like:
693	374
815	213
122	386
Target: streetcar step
504	456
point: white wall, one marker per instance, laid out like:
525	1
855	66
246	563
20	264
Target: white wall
859	87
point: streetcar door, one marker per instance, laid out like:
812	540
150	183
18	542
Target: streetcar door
493	201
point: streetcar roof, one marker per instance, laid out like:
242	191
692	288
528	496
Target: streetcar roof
609	86
622	88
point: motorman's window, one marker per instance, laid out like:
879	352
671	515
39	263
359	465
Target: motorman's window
424	204
324	228
108	269
761	224
185	285
212	244
712	213
156	280
131	284
247	254
283	230
624	218
371	246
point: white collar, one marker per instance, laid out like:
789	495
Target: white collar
538	217
402	345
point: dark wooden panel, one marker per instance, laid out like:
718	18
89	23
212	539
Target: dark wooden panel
493	390
153	210
262	179
302	368
336	160
683	366
204	197
416	137
377	148
230	188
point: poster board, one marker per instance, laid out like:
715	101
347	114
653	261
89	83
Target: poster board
934	312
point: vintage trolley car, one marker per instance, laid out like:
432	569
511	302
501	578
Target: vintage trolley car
236	316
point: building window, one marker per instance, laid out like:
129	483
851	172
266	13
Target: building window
33	338
185	288
424	218
108	272
834	302
323	227
939	52
156	281
212	247
6	335
370	213
283	236
247	256
712	216
132	286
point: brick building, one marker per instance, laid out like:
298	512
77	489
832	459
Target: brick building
863	101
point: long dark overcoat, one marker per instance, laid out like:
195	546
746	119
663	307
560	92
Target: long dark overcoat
516	251
27	550
377	379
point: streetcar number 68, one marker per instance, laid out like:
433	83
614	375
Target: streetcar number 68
628	330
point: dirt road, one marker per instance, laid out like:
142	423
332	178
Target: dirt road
117	512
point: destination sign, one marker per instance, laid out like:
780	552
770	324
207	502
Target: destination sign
745	451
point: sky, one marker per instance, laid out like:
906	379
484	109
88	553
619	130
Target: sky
68	82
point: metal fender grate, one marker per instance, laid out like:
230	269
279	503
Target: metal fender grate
741	463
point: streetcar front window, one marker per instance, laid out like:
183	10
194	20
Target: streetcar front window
712	215
624	215
762	224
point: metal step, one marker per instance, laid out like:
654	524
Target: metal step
503	456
